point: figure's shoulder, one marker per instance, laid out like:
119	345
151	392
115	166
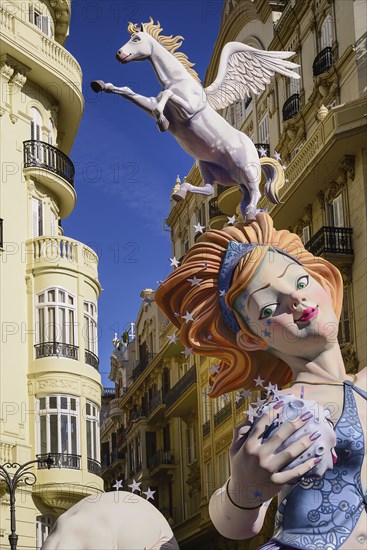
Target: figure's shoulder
361	379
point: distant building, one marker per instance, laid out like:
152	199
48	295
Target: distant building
175	438
50	387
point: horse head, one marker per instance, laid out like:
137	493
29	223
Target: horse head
138	48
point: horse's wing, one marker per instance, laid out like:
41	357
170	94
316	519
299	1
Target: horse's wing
244	71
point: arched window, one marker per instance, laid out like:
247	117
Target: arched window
90	327
92	426
326	33
36	124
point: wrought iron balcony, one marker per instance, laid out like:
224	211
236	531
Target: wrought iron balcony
323	61
263	146
161	457
213	208
178	390
331	240
142	365
56	349
1	233
291	107
60	460
140	412
43	155
108	392
91	359
155	402
221	415
94	467
206	428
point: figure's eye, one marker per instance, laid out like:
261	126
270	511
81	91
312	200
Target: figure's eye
268	311
135	39
302	282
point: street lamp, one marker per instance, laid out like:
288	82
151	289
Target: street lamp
22	473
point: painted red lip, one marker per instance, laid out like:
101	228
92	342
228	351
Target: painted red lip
308	314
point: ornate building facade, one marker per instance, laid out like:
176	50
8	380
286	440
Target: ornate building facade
50	388
317	127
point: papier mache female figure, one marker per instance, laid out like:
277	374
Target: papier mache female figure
269	310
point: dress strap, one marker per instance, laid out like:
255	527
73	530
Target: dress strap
361	392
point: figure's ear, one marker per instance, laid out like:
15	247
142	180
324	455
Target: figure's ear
250	344
142	27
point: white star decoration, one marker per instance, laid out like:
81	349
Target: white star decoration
284	166
199	228
277	156
195	281
269	388
245	393
238	398
135	486
174	262
262	151
187	352
251	413
172	339
188	317
214	369
259	381
222	293
118	484
232	220
149	493
259	402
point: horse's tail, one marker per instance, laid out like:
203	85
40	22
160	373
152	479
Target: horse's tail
274	175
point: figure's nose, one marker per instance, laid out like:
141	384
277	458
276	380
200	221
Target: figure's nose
119	52
296	299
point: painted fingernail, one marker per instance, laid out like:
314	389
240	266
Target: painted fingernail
306	416
314	436
278	405
317	460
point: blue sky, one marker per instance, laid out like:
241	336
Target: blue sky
125	168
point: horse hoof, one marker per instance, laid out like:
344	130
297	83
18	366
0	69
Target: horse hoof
179	196
97	86
163	125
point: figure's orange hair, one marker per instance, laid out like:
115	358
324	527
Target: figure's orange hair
207	335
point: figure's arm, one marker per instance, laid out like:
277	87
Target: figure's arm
257	474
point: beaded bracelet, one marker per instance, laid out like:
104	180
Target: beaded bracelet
236	505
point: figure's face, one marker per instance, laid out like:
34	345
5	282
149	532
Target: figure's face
288	309
137	48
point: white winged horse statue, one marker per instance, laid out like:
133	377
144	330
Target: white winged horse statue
189	111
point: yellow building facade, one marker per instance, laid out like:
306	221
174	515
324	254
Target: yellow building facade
50	387
317	126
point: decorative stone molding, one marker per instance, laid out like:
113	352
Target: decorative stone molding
294	133
207	453
321	198
47	384
308	213
223	442
193	478
350	359
91	392
346	271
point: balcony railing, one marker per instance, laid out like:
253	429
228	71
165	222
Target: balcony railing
1	233
140	412
331	240
108	392
160	457
213	208
94	467
115	455
91	359
323	61
291	107
155	402
56	349
61	460
206	428
174	394
261	147
39	154
221	415
143	364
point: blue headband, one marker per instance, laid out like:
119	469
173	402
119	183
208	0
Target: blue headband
235	252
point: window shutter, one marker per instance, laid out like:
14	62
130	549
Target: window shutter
35	217
306	234
53	224
45	24
31	13
338	213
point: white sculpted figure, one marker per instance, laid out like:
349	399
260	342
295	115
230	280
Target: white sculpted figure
188	111
118	520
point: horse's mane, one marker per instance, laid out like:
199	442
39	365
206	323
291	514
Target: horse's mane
171	43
